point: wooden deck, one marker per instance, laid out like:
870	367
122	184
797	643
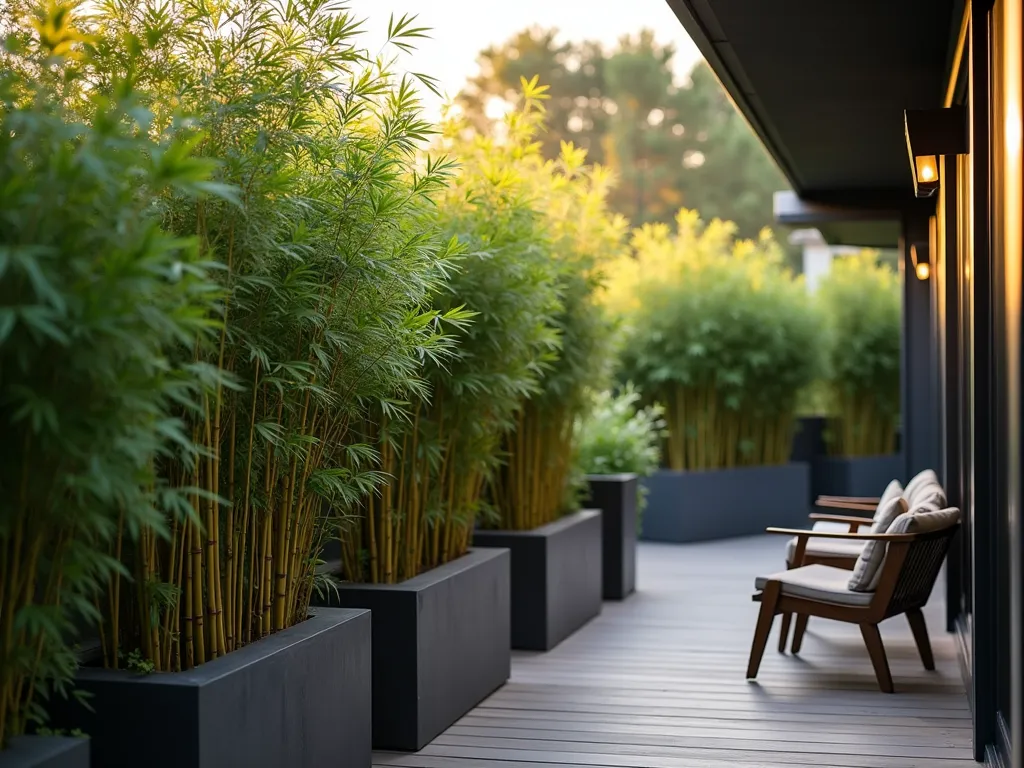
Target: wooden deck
658	682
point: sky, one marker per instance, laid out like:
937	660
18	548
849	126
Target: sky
462	28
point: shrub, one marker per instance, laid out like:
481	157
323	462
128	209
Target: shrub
93	296
506	278
539	479
328	263
860	302
619	435
725	338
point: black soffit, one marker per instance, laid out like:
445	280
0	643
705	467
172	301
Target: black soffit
824	84
873	226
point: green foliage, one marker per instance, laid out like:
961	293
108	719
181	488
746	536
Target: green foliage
670	144
508	275
724	337
815	400
93	297
507	279
620	435
860	302
587	237
539	480
134	661
329	258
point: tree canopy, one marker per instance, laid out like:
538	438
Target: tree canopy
671	144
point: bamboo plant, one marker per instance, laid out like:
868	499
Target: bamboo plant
725	339
540	476
328	263
94	298
860	302
442	459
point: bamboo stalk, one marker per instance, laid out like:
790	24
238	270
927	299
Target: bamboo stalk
199	637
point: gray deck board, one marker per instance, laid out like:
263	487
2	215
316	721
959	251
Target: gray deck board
658	682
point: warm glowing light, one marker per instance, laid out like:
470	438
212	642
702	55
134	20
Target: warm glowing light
927	168
920	254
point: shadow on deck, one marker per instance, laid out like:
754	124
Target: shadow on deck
658	682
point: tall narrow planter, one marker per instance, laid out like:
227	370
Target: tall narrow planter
809	439
725	503
440	644
45	752
556	577
299	698
856	475
616	497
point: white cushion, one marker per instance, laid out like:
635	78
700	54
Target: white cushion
922	519
925	520
926	477
869	564
827	547
892	491
822	583
827	525
926	494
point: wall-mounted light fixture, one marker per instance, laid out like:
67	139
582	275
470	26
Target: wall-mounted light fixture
920	258
931	134
921	252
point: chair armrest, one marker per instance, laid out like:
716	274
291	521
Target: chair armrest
873	500
843	504
848	536
854	522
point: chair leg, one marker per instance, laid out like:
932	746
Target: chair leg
784	631
873	640
920	630
798	632
769	599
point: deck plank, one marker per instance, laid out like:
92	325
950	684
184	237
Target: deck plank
657	682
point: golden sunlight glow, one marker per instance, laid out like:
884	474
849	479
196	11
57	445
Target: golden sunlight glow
1010	28
927	168
921	268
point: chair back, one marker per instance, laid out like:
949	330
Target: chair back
920	570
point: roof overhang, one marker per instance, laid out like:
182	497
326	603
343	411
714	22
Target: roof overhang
825	85
867	226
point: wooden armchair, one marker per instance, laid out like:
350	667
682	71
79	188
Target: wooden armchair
924	488
837	552
908	572
870	503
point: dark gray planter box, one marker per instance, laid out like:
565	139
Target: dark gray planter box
440	645
616	497
725	503
808	439
300	697
556	577
45	752
856	476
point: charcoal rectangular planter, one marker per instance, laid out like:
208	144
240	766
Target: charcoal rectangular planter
45	752
809	439
725	503
857	475
556	577
298	698
616	497
440	644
